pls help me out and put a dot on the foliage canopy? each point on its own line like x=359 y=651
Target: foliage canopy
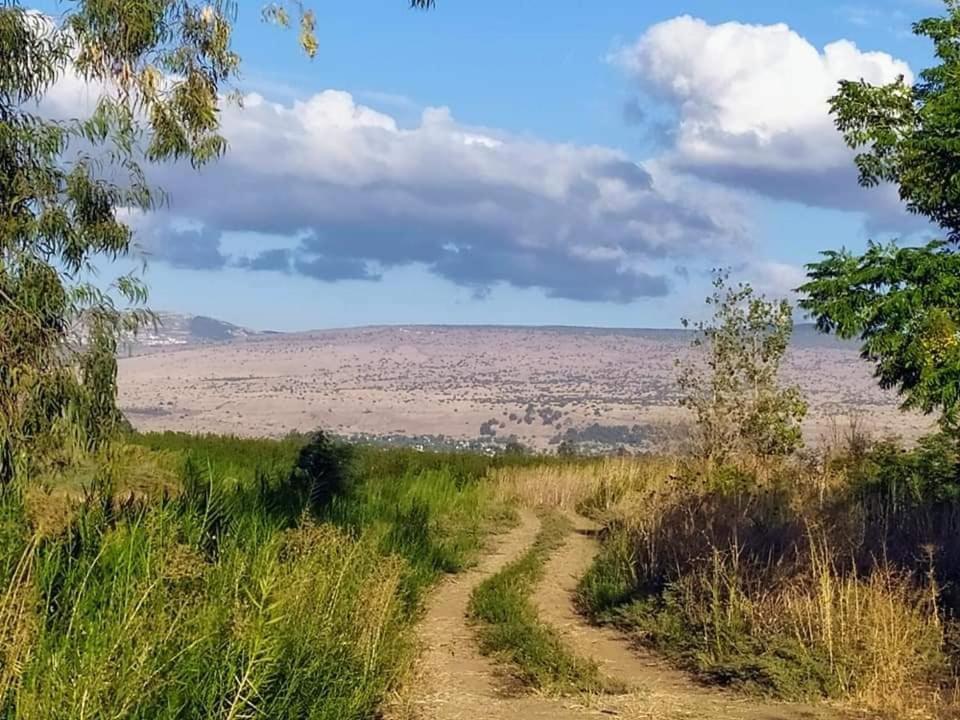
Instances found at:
x=904 y=303
x=909 y=135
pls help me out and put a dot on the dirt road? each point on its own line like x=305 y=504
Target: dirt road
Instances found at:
x=455 y=682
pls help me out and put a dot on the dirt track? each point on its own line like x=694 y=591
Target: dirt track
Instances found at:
x=455 y=682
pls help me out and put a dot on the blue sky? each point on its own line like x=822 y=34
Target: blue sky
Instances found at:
x=569 y=162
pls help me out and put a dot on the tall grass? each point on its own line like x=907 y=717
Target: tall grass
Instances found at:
x=874 y=640
x=432 y=517
x=304 y=625
x=881 y=635
x=224 y=597
x=593 y=487
x=805 y=583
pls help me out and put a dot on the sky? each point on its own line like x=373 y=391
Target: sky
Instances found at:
x=562 y=163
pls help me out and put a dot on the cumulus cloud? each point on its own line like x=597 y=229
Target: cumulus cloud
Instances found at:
x=773 y=278
x=475 y=206
x=751 y=108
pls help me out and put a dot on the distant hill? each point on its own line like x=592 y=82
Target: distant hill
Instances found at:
x=455 y=386
x=805 y=335
x=182 y=330
x=179 y=330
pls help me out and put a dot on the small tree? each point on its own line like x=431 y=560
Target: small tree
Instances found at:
x=321 y=472
x=567 y=448
x=731 y=384
x=515 y=447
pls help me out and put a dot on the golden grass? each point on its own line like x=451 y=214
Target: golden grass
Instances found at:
x=877 y=636
x=18 y=623
x=595 y=486
x=882 y=633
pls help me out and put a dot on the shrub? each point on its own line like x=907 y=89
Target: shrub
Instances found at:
x=926 y=475
x=770 y=584
x=321 y=470
x=907 y=505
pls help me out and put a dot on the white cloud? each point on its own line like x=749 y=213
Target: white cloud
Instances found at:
x=358 y=192
x=775 y=279
x=751 y=104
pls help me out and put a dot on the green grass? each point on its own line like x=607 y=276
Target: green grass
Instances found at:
x=225 y=598
x=434 y=517
x=508 y=626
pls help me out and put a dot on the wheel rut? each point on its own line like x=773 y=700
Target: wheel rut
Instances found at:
x=658 y=690
x=454 y=681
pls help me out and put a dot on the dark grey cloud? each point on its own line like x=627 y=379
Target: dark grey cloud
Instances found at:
x=303 y=260
x=195 y=249
x=473 y=206
x=634 y=176
x=835 y=188
x=554 y=272
x=275 y=260
x=331 y=269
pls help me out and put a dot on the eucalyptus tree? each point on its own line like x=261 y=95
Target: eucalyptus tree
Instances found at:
x=160 y=71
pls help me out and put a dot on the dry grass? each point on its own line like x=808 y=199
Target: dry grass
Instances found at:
x=751 y=582
x=18 y=623
x=339 y=379
x=881 y=633
x=594 y=487
x=129 y=472
x=872 y=641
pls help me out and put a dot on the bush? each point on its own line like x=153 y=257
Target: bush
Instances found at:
x=321 y=470
x=908 y=508
x=927 y=475
x=780 y=585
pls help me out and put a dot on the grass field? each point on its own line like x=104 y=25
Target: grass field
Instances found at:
x=175 y=576
x=203 y=585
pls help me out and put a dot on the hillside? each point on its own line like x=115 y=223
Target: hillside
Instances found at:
x=179 y=330
x=452 y=386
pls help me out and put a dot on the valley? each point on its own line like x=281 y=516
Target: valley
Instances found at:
x=449 y=386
